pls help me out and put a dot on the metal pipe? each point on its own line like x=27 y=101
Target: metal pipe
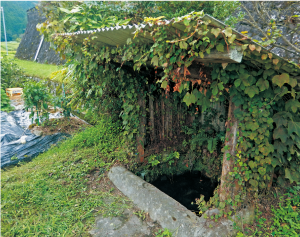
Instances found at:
x=38 y=50
x=2 y=10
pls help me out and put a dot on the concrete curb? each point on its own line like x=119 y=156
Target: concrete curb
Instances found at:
x=165 y=210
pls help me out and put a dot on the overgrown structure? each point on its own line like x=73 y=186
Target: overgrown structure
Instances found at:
x=144 y=73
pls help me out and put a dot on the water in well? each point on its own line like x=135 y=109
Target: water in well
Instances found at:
x=186 y=188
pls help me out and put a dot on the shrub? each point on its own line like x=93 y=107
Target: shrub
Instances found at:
x=5 y=104
x=11 y=74
x=36 y=95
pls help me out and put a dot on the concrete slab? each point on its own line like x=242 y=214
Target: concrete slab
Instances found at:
x=165 y=210
x=126 y=225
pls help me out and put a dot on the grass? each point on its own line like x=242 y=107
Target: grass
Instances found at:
x=34 y=69
x=30 y=68
x=11 y=46
x=59 y=192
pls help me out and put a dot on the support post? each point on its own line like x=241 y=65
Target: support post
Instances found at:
x=227 y=189
x=140 y=138
x=151 y=110
x=2 y=10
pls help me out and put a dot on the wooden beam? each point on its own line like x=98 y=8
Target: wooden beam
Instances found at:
x=232 y=55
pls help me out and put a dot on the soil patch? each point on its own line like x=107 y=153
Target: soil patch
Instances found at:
x=63 y=125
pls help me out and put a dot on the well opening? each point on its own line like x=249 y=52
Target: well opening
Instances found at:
x=185 y=188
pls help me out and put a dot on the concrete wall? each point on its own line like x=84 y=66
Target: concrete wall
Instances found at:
x=31 y=40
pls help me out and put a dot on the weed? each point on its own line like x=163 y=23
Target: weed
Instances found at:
x=164 y=233
x=141 y=214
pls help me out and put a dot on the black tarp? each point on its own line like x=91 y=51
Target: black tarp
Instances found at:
x=14 y=130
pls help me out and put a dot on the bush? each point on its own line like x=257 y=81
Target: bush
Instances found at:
x=11 y=74
x=36 y=95
x=5 y=103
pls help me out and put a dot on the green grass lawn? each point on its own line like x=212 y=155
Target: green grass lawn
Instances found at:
x=53 y=195
x=30 y=68
x=35 y=69
x=11 y=46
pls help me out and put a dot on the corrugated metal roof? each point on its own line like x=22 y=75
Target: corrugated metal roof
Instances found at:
x=118 y=35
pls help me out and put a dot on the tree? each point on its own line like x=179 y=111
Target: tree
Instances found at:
x=275 y=25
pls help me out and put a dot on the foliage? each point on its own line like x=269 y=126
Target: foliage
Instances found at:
x=11 y=74
x=164 y=233
x=273 y=29
x=287 y=216
x=63 y=102
x=15 y=18
x=89 y=17
x=5 y=102
x=205 y=142
x=73 y=16
x=58 y=186
x=260 y=87
x=36 y=96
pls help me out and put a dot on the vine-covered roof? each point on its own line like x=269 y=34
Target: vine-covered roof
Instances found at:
x=118 y=36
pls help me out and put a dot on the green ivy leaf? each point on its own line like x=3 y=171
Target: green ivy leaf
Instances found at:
x=186 y=22
x=251 y=91
x=275 y=161
x=252 y=164
x=189 y=99
x=154 y=61
x=220 y=47
x=183 y=45
x=237 y=82
x=280 y=133
x=164 y=84
x=228 y=32
x=293 y=82
x=280 y=147
x=294 y=127
x=292 y=105
x=279 y=119
x=279 y=80
x=216 y=31
x=252 y=125
x=262 y=84
x=231 y=39
x=253 y=183
x=292 y=176
x=262 y=170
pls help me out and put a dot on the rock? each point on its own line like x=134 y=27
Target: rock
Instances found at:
x=127 y=225
x=36 y=132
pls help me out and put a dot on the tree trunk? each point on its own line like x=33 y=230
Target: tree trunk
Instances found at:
x=229 y=189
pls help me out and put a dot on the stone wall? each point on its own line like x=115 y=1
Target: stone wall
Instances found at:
x=31 y=40
x=254 y=33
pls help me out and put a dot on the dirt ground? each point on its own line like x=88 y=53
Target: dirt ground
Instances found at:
x=64 y=125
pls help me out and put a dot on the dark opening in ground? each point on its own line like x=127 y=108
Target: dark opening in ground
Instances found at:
x=186 y=188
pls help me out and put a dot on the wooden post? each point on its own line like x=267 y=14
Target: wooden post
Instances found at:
x=140 y=138
x=163 y=116
x=151 y=111
x=158 y=116
x=228 y=189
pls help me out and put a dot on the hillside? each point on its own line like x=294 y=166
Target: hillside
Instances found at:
x=15 y=18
